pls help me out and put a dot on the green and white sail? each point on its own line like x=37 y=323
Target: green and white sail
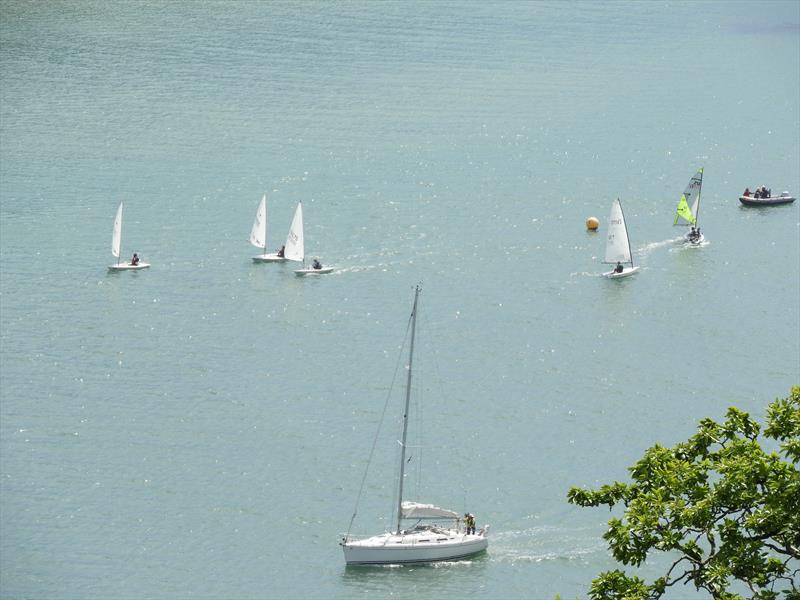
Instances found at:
x=689 y=204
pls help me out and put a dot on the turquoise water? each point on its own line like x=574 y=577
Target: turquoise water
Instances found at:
x=200 y=429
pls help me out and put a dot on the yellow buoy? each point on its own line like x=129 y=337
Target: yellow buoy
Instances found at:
x=592 y=223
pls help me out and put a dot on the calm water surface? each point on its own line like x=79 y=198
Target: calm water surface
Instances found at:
x=200 y=429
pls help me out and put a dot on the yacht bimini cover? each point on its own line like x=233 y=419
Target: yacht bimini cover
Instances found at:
x=415 y=510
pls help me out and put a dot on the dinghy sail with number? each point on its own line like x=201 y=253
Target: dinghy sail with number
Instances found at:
x=426 y=540
x=258 y=235
x=618 y=245
x=116 y=246
x=296 y=249
x=689 y=208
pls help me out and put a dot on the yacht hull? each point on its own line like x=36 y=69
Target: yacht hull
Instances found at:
x=388 y=550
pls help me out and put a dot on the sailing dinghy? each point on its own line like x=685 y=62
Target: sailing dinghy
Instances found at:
x=258 y=235
x=689 y=209
x=618 y=245
x=426 y=539
x=116 y=243
x=296 y=248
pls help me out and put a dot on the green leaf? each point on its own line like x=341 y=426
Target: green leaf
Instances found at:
x=728 y=510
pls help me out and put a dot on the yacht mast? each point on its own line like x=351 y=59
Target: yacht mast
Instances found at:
x=405 y=412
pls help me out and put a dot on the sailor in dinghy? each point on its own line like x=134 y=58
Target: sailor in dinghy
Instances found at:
x=116 y=244
x=689 y=215
x=258 y=236
x=296 y=249
x=618 y=246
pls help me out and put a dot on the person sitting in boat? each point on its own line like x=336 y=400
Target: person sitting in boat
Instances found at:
x=135 y=259
x=746 y=192
x=316 y=264
x=282 y=251
x=618 y=268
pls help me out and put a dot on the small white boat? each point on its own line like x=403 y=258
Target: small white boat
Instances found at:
x=116 y=243
x=313 y=271
x=688 y=216
x=296 y=247
x=618 y=246
x=436 y=533
x=258 y=235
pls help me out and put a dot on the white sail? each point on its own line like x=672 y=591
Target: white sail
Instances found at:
x=415 y=510
x=618 y=247
x=258 y=235
x=116 y=236
x=295 y=246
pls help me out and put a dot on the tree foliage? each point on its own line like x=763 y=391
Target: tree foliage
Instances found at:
x=721 y=507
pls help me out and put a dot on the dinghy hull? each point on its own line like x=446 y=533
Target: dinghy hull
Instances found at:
x=625 y=273
x=694 y=241
x=128 y=267
x=322 y=271
x=268 y=258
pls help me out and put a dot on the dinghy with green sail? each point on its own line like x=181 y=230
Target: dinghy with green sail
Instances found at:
x=689 y=208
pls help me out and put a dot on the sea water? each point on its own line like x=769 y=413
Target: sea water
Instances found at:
x=200 y=429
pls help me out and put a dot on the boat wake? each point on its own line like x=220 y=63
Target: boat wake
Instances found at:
x=360 y=269
x=540 y=544
x=684 y=245
x=700 y=245
x=650 y=247
x=585 y=274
